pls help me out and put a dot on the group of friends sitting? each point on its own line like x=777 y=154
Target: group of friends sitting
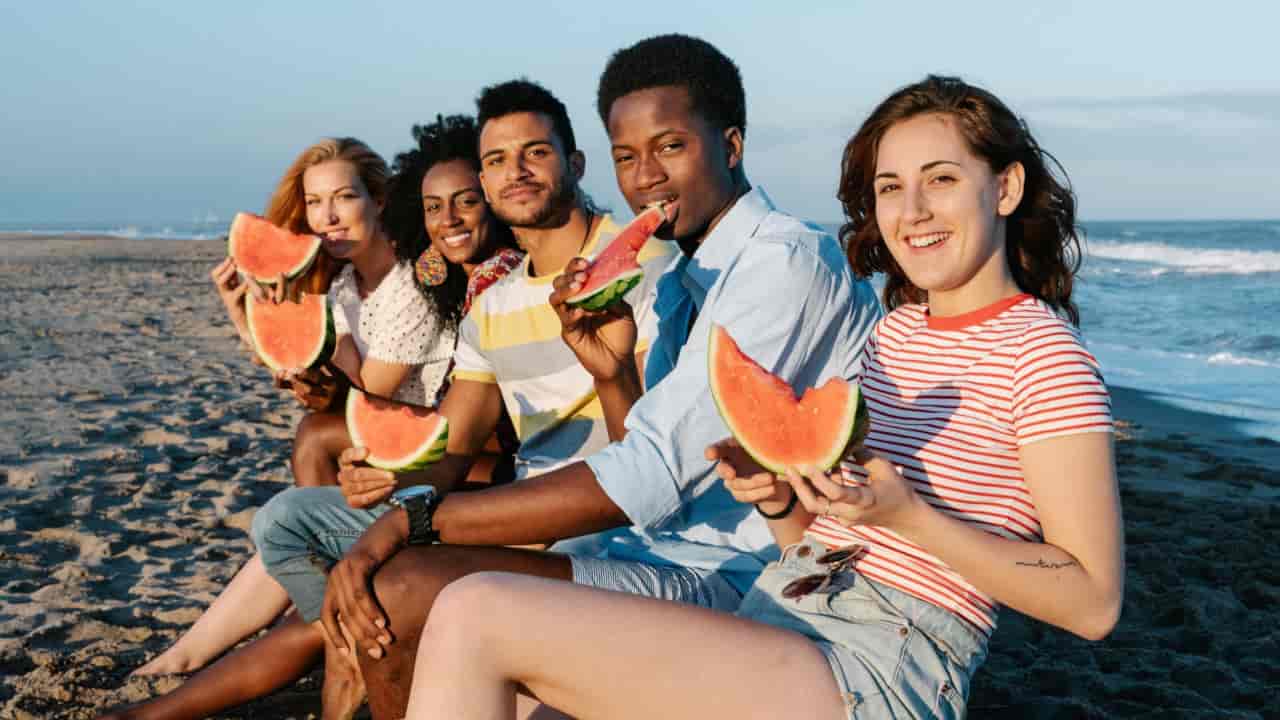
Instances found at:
x=632 y=561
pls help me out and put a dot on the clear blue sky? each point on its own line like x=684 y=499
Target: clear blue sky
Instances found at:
x=164 y=111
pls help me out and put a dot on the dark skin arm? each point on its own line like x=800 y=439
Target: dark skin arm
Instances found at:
x=565 y=503
x=604 y=342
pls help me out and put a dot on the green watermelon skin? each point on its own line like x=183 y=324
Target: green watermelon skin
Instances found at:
x=776 y=428
x=371 y=421
x=609 y=294
x=614 y=271
x=263 y=251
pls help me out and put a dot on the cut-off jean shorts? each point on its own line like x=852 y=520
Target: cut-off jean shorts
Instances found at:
x=893 y=655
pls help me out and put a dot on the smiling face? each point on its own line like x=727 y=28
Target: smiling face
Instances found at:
x=340 y=209
x=941 y=210
x=528 y=179
x=454 y=211
x=664 y=151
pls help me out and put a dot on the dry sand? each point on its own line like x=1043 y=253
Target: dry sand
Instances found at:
x=136 y=440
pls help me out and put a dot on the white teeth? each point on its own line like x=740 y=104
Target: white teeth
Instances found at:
x=919 y=241
x=456 y=240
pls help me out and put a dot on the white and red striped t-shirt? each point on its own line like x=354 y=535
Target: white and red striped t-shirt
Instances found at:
x=951 y=400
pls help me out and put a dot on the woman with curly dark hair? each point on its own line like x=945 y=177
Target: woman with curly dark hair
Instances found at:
x=437 y=222
x=987 y=477
x=437 y=214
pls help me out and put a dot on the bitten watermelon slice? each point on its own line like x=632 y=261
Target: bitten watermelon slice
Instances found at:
x=262 y=251
x=400 y=437
x=615 y=271
x=291 y=335
x=775 y=427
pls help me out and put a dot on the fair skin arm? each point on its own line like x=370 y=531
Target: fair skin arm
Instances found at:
x=377 y=376
x=491 y=633
x=231 y=291
x=1073 y=580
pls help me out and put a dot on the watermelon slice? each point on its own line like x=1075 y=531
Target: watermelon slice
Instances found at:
x=777 y=429
x=291 y=335
x=262 y=251
x=400 y=437
x=615 y=271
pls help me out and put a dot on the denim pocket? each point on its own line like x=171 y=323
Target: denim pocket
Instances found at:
x=930 y=676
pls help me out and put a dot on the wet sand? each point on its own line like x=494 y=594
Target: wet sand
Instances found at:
x=137 y=439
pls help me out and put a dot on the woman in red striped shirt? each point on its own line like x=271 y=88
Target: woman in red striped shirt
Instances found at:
x=987 y=477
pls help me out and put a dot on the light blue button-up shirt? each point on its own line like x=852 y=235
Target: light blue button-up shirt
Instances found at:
x=783 y=290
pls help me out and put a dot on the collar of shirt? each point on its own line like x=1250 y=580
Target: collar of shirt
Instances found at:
x=698 y=273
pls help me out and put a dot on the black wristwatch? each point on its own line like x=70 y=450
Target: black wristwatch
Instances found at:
x=420 y=503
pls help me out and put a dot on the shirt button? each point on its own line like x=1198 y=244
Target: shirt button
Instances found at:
x=804 y=551
x=902 y=631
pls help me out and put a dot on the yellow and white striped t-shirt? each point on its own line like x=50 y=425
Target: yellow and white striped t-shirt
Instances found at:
x=512 y=337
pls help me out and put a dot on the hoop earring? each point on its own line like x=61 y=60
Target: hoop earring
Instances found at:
x=431 y=268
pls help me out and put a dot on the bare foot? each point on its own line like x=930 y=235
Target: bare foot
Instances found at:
x=344 y=690
x=168 y=663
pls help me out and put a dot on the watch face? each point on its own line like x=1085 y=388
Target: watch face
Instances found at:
x=400 y=496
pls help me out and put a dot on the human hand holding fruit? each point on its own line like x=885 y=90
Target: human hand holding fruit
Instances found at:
x=745 y=479
x=603 y=340
x=885 y=498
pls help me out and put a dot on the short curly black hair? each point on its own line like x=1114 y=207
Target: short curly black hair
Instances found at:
x=524 y=95
x=445 y=140
x=712 y=79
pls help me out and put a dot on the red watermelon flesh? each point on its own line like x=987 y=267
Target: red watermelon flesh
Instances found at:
x=263 y=251
x=291 y=335
x=400 y=437
x=615 y=271
x=775 y=427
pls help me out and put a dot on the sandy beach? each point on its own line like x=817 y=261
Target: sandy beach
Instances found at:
x=137 y=439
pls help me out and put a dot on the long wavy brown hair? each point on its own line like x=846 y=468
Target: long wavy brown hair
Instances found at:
x=1042 y=241
x=287 y=208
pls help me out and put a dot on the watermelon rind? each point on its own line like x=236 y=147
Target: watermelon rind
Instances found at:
x=430 y=451
x=853 y=422
x=635 y=234
x=603 y=297
x=323 y=349
x=243 y=220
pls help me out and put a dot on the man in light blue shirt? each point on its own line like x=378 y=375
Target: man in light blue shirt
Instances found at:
x=675 y=112
x=783 y=290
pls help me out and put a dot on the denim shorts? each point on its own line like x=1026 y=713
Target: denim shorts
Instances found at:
x=893 y=655
x=696 y=586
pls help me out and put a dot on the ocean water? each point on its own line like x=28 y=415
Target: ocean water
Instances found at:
x=205 y=227
x=1188 y=310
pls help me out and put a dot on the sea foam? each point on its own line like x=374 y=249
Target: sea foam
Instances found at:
x=1206 y=261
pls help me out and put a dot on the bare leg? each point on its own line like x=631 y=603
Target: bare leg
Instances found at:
x=492 y=633
x=261 y=667
x=407 y=586
x=251 y=601
x=320 y=439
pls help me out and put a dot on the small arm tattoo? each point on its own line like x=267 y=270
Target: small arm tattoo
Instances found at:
x=1041 y=563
